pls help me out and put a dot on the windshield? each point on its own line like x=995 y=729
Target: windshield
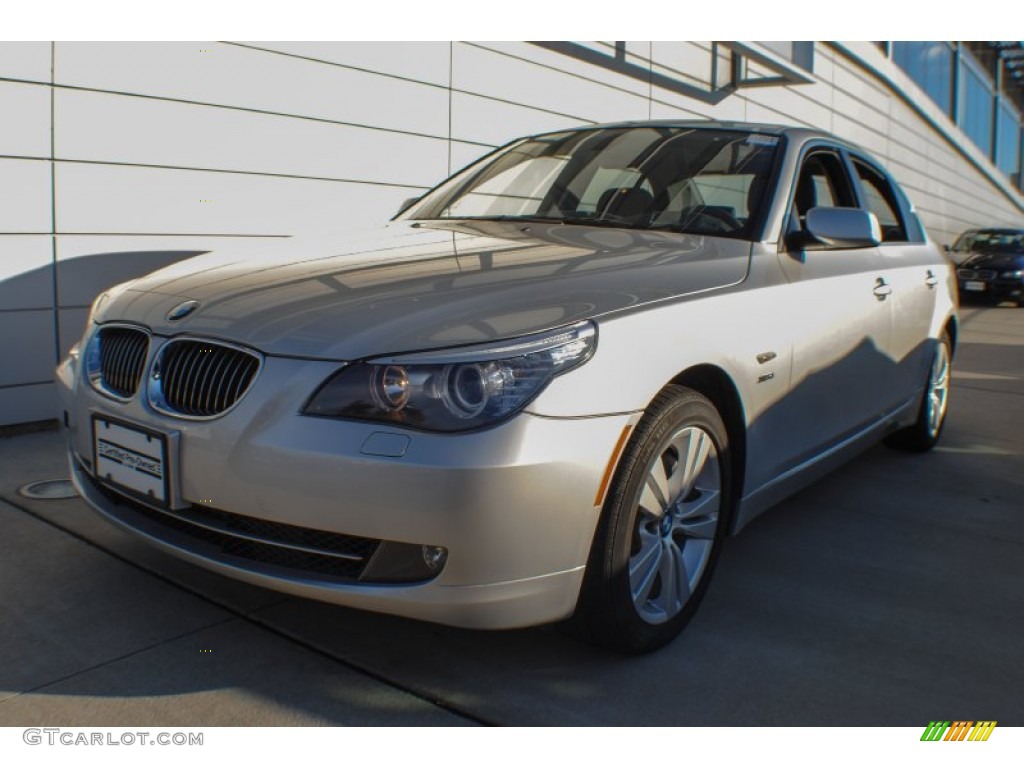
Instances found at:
x=695 y=180
x=1005 y=242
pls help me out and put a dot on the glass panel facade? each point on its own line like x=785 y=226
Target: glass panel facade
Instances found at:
x=800 y=52
x=976 y=104
x=1008 y=140
x=964 y=87
x=782 y=47
x=930 y=64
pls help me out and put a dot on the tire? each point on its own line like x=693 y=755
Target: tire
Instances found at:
x=648 y=569
x=923 y=434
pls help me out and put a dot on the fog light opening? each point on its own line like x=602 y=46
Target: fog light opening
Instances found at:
x=434 y=557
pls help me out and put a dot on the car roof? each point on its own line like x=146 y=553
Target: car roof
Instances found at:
x=994 y=231
x=774 y=129
x=796 y=134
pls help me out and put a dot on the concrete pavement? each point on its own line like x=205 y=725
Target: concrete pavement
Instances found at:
x=889 y=593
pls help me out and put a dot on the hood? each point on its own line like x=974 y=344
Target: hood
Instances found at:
x=994 y=260
x=418 y=285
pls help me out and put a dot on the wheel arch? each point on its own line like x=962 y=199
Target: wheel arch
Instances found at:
x=718 y=387
x=952 y=327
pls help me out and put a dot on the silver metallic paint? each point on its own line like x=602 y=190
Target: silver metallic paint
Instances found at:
x=479 y=282
x=515 y=504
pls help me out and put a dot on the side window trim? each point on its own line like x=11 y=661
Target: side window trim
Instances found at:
x=908 y=219
x=851 y=171
x=811 y=148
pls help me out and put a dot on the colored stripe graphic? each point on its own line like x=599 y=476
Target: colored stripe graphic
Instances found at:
x=958 y=730
x=982 y=730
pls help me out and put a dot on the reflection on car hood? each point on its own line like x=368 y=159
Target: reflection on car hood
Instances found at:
x=415 y=286
x=994 y=261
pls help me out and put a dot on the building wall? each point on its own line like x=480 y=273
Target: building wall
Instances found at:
x=117 y=158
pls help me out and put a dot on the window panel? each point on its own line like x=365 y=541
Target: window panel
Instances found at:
x=976 y=103
x=881 y=201
x=1008 y=140
x=800 y=52
x=929 y=63
x=822 y=183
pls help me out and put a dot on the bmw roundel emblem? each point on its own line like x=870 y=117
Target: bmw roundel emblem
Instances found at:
x=184 y=309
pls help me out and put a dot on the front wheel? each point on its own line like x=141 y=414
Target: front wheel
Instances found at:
x=924 y=433
x=661 y=528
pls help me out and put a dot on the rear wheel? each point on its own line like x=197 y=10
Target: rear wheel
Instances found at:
x=924 y=433
x=662 y=526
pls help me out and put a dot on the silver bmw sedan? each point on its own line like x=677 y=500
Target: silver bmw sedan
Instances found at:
x=547 y=389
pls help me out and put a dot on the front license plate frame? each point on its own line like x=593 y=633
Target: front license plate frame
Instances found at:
x=975 y=285
x=133 y=459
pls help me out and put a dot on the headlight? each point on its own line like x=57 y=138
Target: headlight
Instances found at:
x=456 y=389
x=1013 y=274
x=91 y=361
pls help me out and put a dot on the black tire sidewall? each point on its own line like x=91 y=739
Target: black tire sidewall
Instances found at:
x=945 y=341
x=619 y=624
x=917 y=437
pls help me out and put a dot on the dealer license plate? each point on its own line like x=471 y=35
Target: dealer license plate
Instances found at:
x=131 y=458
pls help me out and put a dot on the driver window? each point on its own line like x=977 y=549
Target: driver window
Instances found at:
x=822 y=183
x=881 y=201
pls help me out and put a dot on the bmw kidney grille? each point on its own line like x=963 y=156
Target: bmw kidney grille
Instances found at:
x=201 y=379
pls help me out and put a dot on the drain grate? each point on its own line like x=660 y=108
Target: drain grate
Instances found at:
x=48 y=489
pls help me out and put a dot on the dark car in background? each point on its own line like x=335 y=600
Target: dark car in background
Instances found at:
x=993 y=264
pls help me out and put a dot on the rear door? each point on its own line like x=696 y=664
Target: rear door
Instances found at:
x=911 y=267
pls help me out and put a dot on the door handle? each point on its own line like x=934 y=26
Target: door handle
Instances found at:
x=882 y=289
x=931 y=281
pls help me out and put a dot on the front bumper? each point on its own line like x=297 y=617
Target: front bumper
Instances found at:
x=514 y=506
x=997 y=289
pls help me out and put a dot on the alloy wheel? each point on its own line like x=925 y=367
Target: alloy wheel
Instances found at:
x=678 y=508
x=938 y=389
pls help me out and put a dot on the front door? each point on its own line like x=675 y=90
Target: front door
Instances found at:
x=839 y=308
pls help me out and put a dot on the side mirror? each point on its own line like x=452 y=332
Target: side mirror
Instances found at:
x=842 y=228
x=408 y=203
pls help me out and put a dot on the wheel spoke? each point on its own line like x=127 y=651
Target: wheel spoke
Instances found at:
x=657 y=479
x=699 y=527
x=699 y=519
x=705 y=505
x=695 y=556
x=643 y=568
x=675 y=585
x=693 y=446
x=651 y=501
